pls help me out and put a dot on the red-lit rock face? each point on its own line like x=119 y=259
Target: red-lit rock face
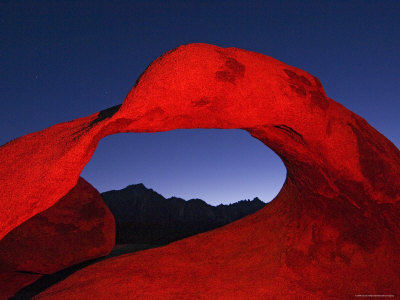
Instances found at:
x=12 y=282
x=332 y=231
x=77 y=228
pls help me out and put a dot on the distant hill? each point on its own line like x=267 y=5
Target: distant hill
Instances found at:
x=145 y=217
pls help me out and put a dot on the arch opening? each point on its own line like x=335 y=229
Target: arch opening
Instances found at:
x=162 y=187
x=215 y=165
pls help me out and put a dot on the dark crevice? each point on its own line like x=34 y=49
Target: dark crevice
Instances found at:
x=28 y=272
x=105 y=114
x=290 y=131
x=48 y=280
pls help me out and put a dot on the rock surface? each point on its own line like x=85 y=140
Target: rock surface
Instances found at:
x=143 y=216
x=332 y=232
x=79 y=227
x=12 y=282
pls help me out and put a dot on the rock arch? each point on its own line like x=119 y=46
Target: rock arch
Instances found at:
x=332 y=230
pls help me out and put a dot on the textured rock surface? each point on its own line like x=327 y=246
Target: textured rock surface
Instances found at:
x=79 y=227
x=12 y=282
x=332 y=232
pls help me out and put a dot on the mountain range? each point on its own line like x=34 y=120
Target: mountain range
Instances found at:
x=145 y=217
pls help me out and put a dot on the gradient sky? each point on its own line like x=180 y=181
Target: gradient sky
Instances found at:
x=60 y=60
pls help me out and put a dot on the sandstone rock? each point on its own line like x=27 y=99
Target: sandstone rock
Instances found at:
x=12 y=282
x=79 y=227
x=332 y=232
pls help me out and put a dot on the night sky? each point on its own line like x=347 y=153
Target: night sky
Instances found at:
x=60 y=60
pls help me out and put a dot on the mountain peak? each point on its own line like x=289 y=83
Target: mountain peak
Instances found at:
x=136 y=186
x=145 y=217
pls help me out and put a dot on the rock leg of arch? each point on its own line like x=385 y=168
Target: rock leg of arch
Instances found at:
x=331 y=232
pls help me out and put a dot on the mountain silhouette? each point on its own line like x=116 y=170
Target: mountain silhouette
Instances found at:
x=145 y=217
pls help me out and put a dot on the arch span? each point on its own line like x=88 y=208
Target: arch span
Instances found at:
x=333 y=229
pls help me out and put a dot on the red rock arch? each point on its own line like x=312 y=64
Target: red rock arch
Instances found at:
x=334 y=222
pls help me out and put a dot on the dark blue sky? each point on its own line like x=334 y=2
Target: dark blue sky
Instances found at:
x=60 y=60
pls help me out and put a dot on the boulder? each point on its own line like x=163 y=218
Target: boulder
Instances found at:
x=79 y=227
